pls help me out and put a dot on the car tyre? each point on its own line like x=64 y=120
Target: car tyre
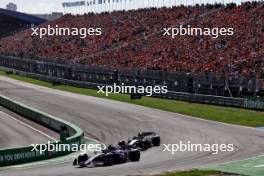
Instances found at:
x=156 y=141
x=134 y=155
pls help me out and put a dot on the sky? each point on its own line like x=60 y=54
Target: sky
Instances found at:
x=35 y=6
x=49 y=6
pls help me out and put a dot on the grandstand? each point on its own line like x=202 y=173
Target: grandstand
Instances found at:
x=133 y=39
x=11 y=21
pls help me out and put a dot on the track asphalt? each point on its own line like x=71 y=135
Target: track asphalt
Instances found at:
x=110 y=121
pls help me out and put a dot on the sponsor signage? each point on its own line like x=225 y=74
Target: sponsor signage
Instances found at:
x=73 y=4
x=254 y=103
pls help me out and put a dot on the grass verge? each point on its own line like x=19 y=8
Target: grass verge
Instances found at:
x=197 y=173
x=229 y=115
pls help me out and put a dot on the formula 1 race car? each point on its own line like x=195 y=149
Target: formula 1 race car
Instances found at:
x=108 y=157
x=144 y=141
x=122 y=153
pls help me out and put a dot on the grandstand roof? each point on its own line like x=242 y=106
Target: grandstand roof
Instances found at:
x=22 y=16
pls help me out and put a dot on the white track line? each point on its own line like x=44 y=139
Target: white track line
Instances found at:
x=26 y=125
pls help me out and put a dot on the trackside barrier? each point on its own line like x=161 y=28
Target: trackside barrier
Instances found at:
x=209 y=99
x=198 y=98
x=25 y=154
x=53 y=79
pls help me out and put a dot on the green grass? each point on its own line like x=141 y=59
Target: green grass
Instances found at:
x=229 y=115
x=193 y=173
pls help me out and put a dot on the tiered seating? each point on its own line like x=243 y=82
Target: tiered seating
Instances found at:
x=134 y=39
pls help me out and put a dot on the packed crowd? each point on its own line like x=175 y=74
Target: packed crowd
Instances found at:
x=134 y=39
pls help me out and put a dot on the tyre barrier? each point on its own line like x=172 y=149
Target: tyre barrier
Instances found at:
x=15 y=156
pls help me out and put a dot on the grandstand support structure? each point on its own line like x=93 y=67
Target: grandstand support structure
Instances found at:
x=12 y=21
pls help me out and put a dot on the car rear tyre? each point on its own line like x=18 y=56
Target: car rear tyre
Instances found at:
x=82 y=158
x=156 y=141
x=134 y=155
